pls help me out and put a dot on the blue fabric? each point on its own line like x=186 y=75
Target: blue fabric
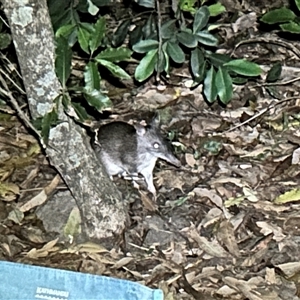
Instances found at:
x=25 y=282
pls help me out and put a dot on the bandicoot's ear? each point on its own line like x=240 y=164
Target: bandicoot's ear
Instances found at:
x=155 y=122
x=140 y=129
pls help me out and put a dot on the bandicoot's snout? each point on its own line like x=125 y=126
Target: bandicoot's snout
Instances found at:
x=170 y=158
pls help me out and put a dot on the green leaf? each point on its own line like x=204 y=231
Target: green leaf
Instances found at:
x=82 y=5
x=149 y=29
x=202 y=72
x=297 y=2
x=97 y=100
x=115 y=54
x=291 y=27
x=243 y=67
x=224 y=85
x=114 y=69
x=207 y=38
x=80 y=111
x=48 y=120
x=168 y=29
x=197 y=64
x=66 y=101
x=275 y=93
x=5 y=40
x=145 y=46
x=57 y=6
x=69 y=32
x=98 y=34
x=92 y=9
x=213 y=146
x=175 y=52
x=135 y=35
x=62 y=13
x=187 y=38
x=200 y=19
x=274 y=73
x=187 y=5
x=88 y=26
x=91 y=77
x=65 y=31
x=73 y=37
x=84 y=36
x=146 y=3
x=210 y=89
x=121 y=33
x=63 y=60
x=279 y=15
x=72 y=227
x=239 y=80
x=216 y=9
x=146 y=66
x=217 y=59
x=166 y=62
x=163 y=62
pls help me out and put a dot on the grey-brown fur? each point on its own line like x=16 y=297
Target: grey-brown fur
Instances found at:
x=123 y=148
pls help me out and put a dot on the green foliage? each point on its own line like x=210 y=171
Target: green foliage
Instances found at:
x=146 y=3
x=5 y=38
x=91 y=37
x=187 y=5
x=272 y=76
x=224 y=85
x=216 y=9
x=198 y=65
x=191 y=37
x=50 y=119
x=63 y=60
x=279 y=15
x=92 y=91
x=145 y=46
x=147 y=66
x=185 y=37
x=121 y=33
x=98 y=35
x=213 y=147
x=210 y=87
x=243 y=67
x=274 y=73
x=287 y=19
x=177 y=39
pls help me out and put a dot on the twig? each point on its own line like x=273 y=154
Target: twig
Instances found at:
x=13 y=82
x=4 y=22
x=159 y=40
x=11 y=67
x=16 y=106
x=277 y=83
x=270 y=41
x=261 y=113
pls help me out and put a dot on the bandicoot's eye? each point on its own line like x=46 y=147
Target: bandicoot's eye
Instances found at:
x=156 y=145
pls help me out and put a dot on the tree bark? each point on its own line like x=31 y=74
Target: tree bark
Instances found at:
x=102 y=210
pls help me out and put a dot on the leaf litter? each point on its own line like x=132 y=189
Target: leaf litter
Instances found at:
x=225 y=225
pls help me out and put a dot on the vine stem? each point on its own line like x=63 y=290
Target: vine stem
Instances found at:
x=159 y=40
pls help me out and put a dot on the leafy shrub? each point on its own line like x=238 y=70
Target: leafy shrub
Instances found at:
x=288 y=21
x=182 y=35
x=186 y=36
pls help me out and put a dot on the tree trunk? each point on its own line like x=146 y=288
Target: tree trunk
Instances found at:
x=102 y=210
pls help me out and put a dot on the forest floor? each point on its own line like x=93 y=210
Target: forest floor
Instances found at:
x=225 y=225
